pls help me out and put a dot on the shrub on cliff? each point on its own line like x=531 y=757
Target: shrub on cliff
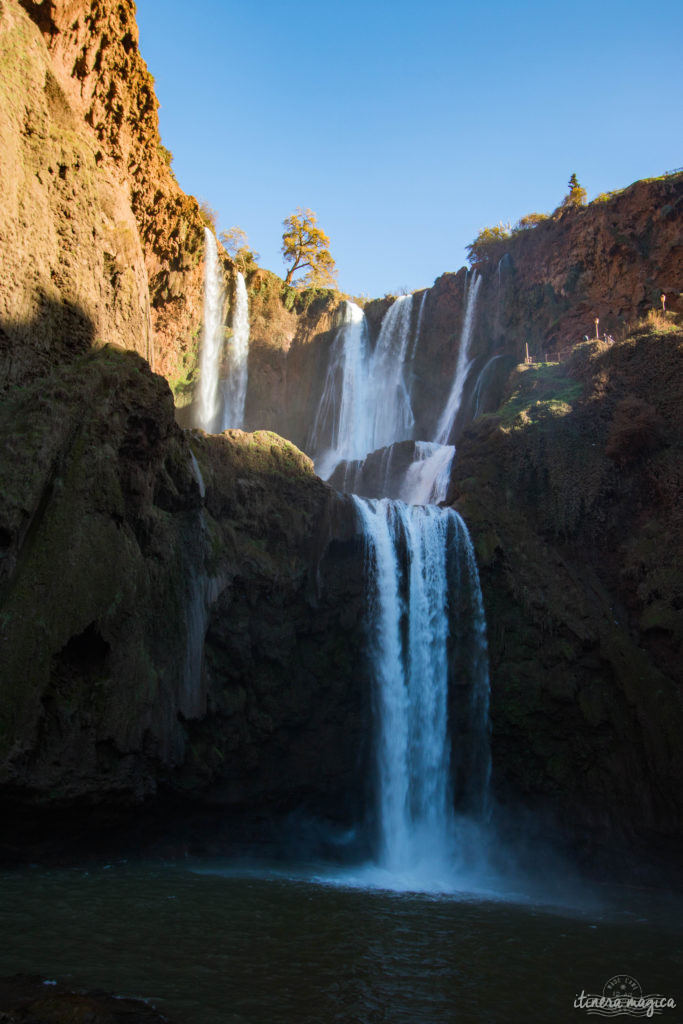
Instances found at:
x=574 y=199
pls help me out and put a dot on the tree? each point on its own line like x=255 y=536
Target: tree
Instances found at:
x=235 y=242
x=304 y=244
x=485 y=245
x=576 y=195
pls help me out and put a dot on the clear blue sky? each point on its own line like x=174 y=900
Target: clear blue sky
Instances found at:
x=408 y=127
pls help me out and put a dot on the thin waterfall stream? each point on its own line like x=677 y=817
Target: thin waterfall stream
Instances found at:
x=208 y=404
x=223 y=366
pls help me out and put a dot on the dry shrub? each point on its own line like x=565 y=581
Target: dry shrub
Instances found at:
x=636 y=431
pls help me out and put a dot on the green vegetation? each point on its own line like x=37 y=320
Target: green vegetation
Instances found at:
x=575 y=197
x=491 y=243
x=165 y=154
x=305 y=245
x=539 y=390
x=183 y=382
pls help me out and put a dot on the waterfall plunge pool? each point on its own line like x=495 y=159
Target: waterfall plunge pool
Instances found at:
x=218 y=942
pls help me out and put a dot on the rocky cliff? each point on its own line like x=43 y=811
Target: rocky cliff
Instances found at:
x=124 y=541
x=572 y=493
x=544 y=286
x=91 y=51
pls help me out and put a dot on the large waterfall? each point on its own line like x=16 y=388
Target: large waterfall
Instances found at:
x=234 y=384
x=208 y=405
x=365 y=403
x=426 y=631
x=420 y=570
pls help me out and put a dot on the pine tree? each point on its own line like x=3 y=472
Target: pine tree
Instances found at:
x=576 y=195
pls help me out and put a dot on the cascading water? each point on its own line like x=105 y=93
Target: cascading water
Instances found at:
x=341 y=429
x=447 y=421
x=419 y=567
x=418 y=328
x=365 y=403
x=234 y=385
x=392 y=418
x=208 y=405
x=426 y=479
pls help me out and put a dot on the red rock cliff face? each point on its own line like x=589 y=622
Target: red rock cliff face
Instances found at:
x=545 y=286
x=93 y=49
x=72 y=271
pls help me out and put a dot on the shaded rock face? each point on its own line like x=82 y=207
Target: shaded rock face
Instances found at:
x=571 y=493
x=158 y=632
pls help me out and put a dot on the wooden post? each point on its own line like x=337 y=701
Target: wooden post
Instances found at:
x=597 y=332
x=662 y=299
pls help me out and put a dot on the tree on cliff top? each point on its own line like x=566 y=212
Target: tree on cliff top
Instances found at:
x=305 y=245
x=576 y=195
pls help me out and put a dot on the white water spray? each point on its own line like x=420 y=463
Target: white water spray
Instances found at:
x=447 y=421
x=427 y=478
x=234 y=385
x=208 y=406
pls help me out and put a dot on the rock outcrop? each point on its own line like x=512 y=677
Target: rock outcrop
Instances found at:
x=121 y=554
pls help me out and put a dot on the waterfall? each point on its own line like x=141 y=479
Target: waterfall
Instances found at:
x=419 y=567
x=447 y=421
x=234 y=385
x=207 y=415
x=427 y=478
x=478 y=387
x=342 y=423
x=418 y=328
x=365 y=403
x=392 y=418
